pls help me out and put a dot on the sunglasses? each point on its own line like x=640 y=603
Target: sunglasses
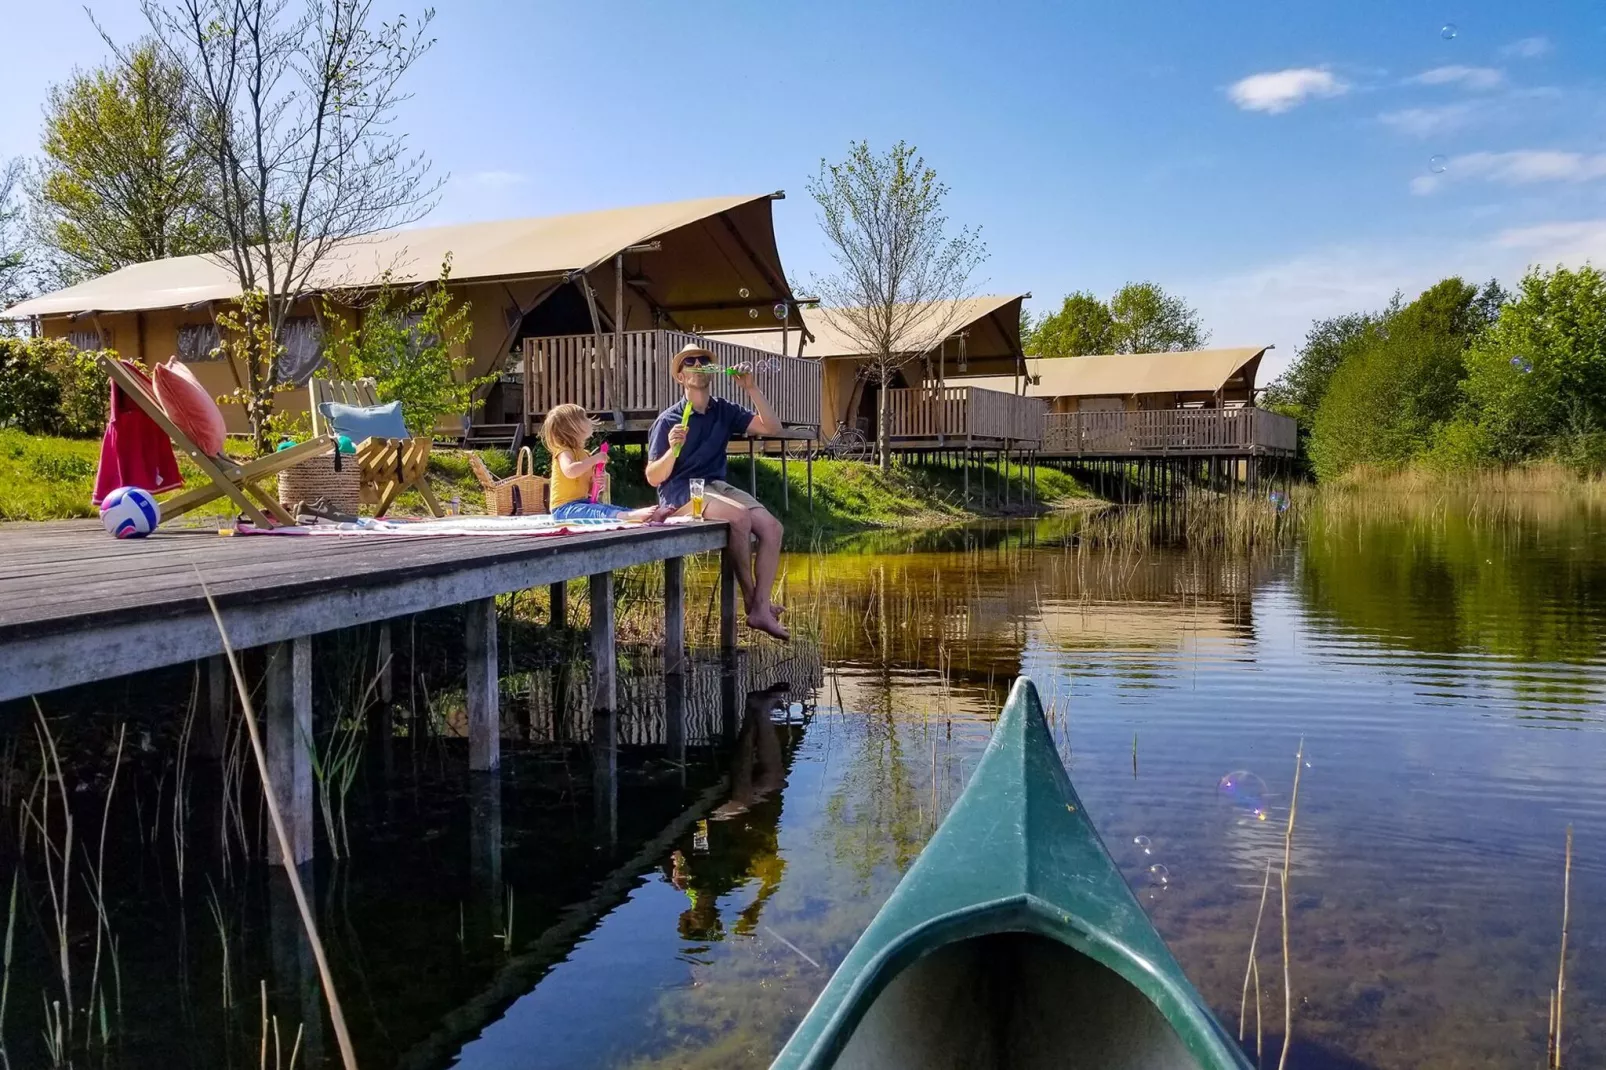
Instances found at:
x=696 y=362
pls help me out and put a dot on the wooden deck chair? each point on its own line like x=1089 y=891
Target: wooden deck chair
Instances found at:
x=388 y=465
x=228 y=478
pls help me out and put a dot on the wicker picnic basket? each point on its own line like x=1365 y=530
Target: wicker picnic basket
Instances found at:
x=521 y=494
x=319 y=478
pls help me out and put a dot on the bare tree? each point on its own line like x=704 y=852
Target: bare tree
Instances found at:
x=14 y=281
x=294 y=106
x=900 y=274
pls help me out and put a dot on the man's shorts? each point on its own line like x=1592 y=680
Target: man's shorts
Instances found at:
x=731 y=493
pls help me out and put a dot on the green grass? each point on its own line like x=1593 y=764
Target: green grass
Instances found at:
x=44 y=478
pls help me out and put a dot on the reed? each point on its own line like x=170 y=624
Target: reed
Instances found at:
x=5 y=981
x=348 y=1055
x=97 y=890
x=1558 y=994
x=1288 y=858
x=1251 y=967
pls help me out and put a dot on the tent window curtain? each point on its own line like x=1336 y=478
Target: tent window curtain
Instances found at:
x=198 y=342
x=85 y=341
x=302 y=339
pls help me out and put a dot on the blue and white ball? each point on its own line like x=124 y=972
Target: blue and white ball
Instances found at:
x=129 y=513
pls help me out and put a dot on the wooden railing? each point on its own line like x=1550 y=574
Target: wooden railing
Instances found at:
x=570 y=368
x=964 y=412
x=1126 y=432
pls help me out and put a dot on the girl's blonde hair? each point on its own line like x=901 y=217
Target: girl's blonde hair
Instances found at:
x=566 y=427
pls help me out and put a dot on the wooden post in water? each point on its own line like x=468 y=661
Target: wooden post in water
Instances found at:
x=386 y=677
x=674 y=615
x=728 y=592
x=559 y=616
x=220 y=701
x=605 y=776
x=604 y=665
x=288 y=716
x=484 y=712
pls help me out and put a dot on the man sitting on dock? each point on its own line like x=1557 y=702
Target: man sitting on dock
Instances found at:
x=684 y=446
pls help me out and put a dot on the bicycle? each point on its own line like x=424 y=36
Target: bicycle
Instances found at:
x=847 y=444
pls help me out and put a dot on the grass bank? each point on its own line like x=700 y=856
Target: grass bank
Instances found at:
x=45 y=478
x=1538 y=477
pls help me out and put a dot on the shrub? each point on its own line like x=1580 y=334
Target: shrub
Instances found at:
x=49 y=388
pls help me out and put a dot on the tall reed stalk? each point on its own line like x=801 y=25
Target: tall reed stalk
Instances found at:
x=1288 y=859
x=1558 y=995
x=348 y=1055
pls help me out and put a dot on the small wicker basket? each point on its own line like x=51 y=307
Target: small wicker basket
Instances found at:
x=319 y=478
x=521 y=494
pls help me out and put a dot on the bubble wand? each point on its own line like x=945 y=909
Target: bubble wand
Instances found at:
x=685 y=417
x=598 y=475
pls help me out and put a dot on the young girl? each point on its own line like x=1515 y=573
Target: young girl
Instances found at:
x=566 y=430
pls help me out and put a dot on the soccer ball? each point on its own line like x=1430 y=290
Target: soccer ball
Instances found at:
x=129 y=513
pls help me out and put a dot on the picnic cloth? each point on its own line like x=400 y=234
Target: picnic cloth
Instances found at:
x=134 y=452
x=542 y=524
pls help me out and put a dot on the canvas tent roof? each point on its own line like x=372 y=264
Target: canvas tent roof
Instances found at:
x=991 y=325
x=712 y=250
x=1201 y=371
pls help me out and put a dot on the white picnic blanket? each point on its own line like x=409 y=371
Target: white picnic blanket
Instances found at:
x=543 y=524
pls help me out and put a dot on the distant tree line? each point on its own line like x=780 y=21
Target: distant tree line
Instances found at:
x=1460 y=377
x=1139 y=318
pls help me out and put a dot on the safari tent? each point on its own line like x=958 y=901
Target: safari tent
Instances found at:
x=982 y=337
x=708 y=263
x=1199 y=378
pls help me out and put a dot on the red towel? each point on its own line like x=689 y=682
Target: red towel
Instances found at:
x=135 y=451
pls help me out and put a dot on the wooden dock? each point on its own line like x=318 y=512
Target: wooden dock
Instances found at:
x=77 y=606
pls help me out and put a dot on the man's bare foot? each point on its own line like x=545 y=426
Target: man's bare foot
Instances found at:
x=764 y=622
x=661 y=513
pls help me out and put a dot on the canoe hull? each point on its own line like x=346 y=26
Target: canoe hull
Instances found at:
x=1013 y=941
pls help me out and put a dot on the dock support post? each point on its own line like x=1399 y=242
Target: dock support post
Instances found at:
x=786 y=484
x=484 y=713
x=604 y=667
x=485 y=849
x=674 y=615
x=727 y=601
x=387 y=682
x=675 y=721
x=605 y=777
x=220 y=702
x=559 y=615
x=289 y=744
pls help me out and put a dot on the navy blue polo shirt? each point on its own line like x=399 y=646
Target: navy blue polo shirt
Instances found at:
x=703 y=454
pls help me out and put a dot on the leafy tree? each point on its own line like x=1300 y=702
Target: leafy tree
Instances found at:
x=13 y=246
x=122 y=180
x=412 y=347
x=295 y=107
x=1083 y=325
x=1149 y=320
x=1536 y=379
x=47 y=387
x=900 y=272
x=1389 y=398
x=1328 y=343
x=1028 y=330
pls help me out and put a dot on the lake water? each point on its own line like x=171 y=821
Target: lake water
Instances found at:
x=673 y=887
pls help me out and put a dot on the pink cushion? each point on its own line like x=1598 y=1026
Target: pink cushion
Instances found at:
x=188 y=405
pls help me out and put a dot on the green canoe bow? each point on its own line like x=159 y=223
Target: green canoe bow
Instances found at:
x=1013 y=941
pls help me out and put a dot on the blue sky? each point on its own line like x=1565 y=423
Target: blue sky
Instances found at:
x=1269 y=162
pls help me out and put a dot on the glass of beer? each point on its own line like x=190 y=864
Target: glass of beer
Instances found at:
x=696 y=499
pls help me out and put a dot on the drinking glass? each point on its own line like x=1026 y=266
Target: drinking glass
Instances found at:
x=696 y=499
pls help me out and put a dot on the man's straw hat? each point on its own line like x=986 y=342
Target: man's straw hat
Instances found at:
x=688 y=350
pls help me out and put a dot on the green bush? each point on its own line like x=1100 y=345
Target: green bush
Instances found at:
x=47 y=387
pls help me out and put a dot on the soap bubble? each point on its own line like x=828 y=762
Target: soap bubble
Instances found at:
x=779 y=310
x=752 y=313
x=1521 y=365
x=1449 y=31
x=1437 y=164
x=1244 y=790
x=1158 y=874
x=742 y=293
x=1143 y=843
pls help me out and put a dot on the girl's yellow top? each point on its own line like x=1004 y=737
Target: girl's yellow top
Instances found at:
x=566 y=489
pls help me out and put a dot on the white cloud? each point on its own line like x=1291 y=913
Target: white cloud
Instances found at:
x=1466 y=77
x=1527 y=48
x=496 y=179
x=1277 y=302
x=1570 y=243
x=1430 y=122
x=1522 y=167
x=1275 y=92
